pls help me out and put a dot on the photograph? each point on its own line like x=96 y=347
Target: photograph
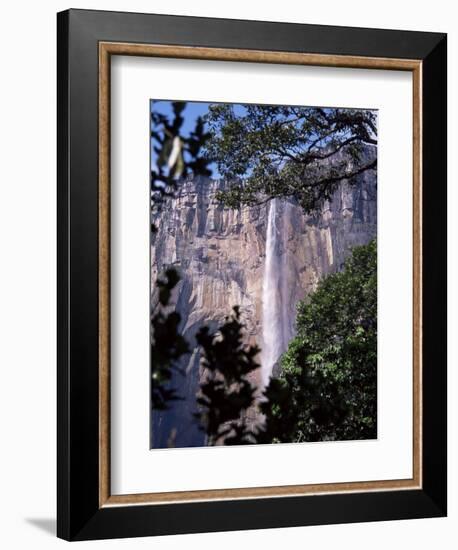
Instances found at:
x=263 y=274
x=251 y=306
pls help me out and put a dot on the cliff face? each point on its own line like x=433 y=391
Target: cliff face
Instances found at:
x=221 y=256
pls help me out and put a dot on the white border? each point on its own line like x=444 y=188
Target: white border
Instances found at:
x=136 y=469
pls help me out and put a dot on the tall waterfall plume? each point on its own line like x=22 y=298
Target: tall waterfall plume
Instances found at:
x=277 y=322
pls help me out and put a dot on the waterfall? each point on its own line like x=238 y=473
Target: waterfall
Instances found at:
x=277 y=319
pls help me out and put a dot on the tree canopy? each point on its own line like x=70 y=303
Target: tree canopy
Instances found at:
x=269 y=151
x=264 y=151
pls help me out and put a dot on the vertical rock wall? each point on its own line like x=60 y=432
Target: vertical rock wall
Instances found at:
x=220 y=254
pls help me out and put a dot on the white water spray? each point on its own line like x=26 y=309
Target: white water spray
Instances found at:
x=276 y=317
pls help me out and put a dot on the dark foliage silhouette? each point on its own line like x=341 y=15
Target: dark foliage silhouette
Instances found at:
x=167 y=345
x=226 y=394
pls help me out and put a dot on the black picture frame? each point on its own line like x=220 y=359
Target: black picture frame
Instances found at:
x=80 y=516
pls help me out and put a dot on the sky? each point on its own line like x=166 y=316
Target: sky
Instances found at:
x=193 y=110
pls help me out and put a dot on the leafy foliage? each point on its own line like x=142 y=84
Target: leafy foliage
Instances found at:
x=226 y=393
x=176 y=154
x=280 y=151
x=328 y=384
x=167 y=345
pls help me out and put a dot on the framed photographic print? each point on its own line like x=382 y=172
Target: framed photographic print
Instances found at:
x=252 y=274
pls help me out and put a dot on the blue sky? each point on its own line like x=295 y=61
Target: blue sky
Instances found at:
x=193 y=110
